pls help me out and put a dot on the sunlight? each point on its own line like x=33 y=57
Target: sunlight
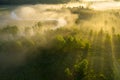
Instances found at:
x=75 y=4
x=26 y=12
x=60 y=40
x=116 y=66
x=39 y=13
x=95 y=0
x=105 y=5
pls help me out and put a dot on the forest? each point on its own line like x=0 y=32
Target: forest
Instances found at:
x=87 y=47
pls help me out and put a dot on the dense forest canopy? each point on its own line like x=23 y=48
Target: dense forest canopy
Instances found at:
x=49 y=41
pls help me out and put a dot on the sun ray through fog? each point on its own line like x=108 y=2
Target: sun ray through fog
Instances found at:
x=116 y=65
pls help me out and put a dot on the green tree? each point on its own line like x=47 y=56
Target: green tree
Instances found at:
x=81 y=70
x=60 y=41
x=113 y=30
x=69 y=74
x=10 y=30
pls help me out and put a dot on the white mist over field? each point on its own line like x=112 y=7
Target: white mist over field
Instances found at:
x=106 y=5
x=29 y=14
x=97 y=4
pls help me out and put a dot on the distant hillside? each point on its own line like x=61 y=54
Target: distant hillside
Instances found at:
x=32 y=1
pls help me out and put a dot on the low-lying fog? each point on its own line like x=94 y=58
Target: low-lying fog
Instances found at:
x=30 y=14
x=27 y=15
x=49 y=16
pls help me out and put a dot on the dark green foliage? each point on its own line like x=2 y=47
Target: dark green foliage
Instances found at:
x=66 y=57
x=79 y=70
x=68 y=73
x=9 y=30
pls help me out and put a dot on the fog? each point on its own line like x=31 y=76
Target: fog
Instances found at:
x=52 y=17
x=31 y=23
x=106 y=5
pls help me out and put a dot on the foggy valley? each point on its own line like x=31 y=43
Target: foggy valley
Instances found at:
x=60 y=40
